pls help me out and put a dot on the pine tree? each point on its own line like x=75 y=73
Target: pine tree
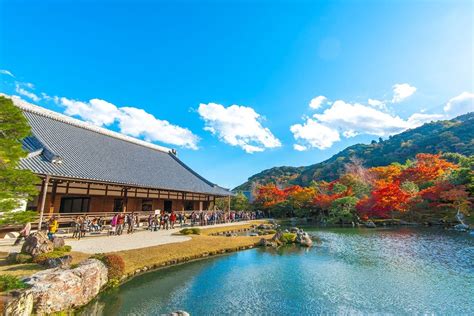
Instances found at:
x=15 y=184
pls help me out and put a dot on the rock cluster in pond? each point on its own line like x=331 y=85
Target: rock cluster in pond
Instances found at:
x=179 y=313
x=293 y=236
x=58 y=289
x=303 y=238
x=370 y=224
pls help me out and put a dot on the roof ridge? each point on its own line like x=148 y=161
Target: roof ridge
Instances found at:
x=29 y=107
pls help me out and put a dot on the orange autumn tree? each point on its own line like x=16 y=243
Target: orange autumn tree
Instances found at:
x=386 y=173
x=269 y=195
x=427 y=167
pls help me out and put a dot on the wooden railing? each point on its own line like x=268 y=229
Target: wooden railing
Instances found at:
x=64 y=218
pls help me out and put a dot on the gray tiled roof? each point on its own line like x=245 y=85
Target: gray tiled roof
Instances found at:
x=97 y=154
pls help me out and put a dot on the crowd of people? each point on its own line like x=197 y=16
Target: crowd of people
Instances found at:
x=159 y=220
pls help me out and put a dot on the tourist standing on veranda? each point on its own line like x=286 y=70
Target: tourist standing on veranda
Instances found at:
x=131 y=223
x=52 y=227
x=113 y=224
x=172 y=219
x=76 y=228
x=120 y=224
x=83 y=226
x=25 y=232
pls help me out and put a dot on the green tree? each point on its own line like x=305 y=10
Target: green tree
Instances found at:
x=15 y=184
x=221 y=204
x=343 y=209
x=464 y=175
x=239 y=202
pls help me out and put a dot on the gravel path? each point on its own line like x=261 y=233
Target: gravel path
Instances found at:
x=139 y=239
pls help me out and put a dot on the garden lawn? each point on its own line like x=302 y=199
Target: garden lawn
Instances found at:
x=27 y=269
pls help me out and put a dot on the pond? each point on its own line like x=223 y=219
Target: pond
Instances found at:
x=395 y=271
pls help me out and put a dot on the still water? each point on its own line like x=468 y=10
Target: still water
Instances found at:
x=351 y=271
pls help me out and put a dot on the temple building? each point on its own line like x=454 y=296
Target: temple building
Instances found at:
x=85 y=168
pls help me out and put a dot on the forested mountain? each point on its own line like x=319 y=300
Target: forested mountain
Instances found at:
x=456 y=135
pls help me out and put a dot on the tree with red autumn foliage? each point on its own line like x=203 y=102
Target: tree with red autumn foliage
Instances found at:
x=269 y=195
x=385 y=198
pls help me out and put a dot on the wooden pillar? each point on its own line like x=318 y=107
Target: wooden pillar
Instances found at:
x=228 y=203
x=44 y=190
x=183 y=198
x=125 y=200
x=52 y=200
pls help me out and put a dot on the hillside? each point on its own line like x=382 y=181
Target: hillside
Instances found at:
x=456 y=135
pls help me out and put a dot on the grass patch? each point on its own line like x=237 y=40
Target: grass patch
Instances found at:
x=288 y=238
x=190 y=231
x=214 y=230
x=156 y=256
x=65 y=248
x=49 y=255
x=19 y=258
x=10 y=282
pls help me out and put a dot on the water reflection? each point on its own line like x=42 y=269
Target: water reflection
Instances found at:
x=401 y=271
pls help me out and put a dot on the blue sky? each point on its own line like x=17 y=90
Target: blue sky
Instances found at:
x=230 y=84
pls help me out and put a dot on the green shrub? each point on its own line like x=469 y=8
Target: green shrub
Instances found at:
x=189 y=231
x=288 y=238
x=10 y=282
x=19 y=258
x=65 y=248
x=49 y=255
x=115 y=267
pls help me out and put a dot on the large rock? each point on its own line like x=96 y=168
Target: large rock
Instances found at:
x=17 y=303
x=58 y=242
x=37 y=243
x=370 y=224
x=61 y=262
x=179 y=313
x=58 y=289
x=303 y=239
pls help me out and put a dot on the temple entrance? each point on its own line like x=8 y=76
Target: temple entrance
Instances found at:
x=118 y=205
x=168 y=206
x=74 y=205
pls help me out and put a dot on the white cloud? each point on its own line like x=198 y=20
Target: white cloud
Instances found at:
x=418 y=119
x=317 y=102
x=460 y=104
x=355 y=119
x=299 y=147
x=6 y=72
x=96 y=111
x=237 y=126
x=132 y=121
x=313 y=134
x=401 y=91
x=137 y=122
x=26 y=93
x=377 y=104
x=324 y=129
